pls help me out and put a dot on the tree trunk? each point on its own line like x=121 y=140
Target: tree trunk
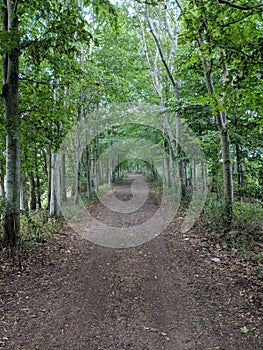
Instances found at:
x=227 y=166
x=38 y=191
x=2 y=178
x=10 y=65
x=165 y=170
x=88 y=168
x=239 y=172
x=48 y=163
x=170 y=70
x=33 y=196
x=55 y=187
x=111 y=159
x=172 y=170
x=63 y=178
x=180 y=162
x=95 y=164
x=23 y=194
x=225 y=146
x=77 y=184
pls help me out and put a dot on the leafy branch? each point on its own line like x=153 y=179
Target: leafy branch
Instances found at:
x=239 y=7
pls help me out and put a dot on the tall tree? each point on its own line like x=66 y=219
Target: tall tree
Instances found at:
x=10 y=65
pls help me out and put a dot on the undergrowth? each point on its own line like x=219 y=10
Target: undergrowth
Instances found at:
x=37 y=227
x=246 y=236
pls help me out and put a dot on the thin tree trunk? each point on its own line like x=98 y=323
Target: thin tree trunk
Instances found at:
x=38 y=191
x=185 y=175
x=172 y=170
x=63 y=178
x=77 y=185
x=48 y=163
x=55 y=187
x=88 y=169
x=170 y=70
x=225 y=144
x=95 y=164
x=153 y=169
x=111 y=159
x=180 y=162
x=239 y=172
x=168 y=166
x=194 y=174
x=2 y=178
x=23 y=194
x=10 y=65
x=203 y=175
x=191 y=175
x=33 y=197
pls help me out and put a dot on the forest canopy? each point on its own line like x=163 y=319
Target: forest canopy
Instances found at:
x=199 y=62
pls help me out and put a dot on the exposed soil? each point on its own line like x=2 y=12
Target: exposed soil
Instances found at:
x=169 y=293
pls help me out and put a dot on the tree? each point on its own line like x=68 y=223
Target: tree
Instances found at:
x=42 y=42
x=10 y=65
x=165 y=37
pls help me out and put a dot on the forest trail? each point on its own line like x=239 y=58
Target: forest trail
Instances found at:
x=164 y=294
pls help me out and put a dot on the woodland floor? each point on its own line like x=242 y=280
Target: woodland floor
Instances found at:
x=167 y=294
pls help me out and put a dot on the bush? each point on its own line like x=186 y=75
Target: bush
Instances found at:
x=247 y=233
x=245 y=214
x=246 y=236
x=213 y=214
x=37 y=227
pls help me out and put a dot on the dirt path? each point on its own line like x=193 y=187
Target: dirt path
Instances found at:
x=165 y=294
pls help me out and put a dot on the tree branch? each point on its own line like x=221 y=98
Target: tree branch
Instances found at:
x=38 y=82
x=236 y=21
x=174 y=83
x=239 y=7
x=179 y=5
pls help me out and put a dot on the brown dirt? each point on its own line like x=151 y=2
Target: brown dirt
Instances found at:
x=165 y=294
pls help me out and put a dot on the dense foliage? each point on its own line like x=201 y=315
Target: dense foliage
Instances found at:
x=200 y=60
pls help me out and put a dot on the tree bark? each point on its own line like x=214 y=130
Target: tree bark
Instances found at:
x=23 y=194
x=2 y=178
x=63 y=179
x=38 y=191
x=33 y=196
x=55 y=187
x=10 y=66
x=48 y=164
x=239 y=172
x=225 y=144
x=170 y=70
x=95 y=164
x=88 y=169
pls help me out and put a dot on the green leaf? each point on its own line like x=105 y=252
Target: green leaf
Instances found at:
x=244 y=330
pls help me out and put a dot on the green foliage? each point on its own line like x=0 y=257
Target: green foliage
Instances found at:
x=212 y=215
x=74 y=60
x=158 y=183
x=103 y=189
x=246 y=237
x=37 y=227
x=117 y=67
x=248 y=217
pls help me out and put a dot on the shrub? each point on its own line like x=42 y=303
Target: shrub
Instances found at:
x=246 y=236
x=213 y=214
x=37 y=227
